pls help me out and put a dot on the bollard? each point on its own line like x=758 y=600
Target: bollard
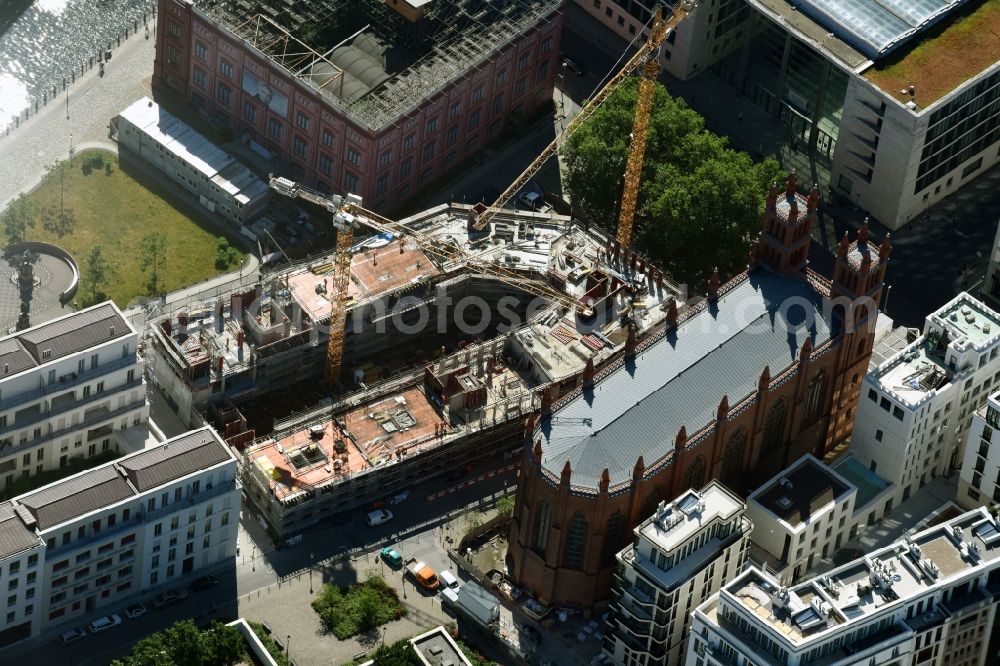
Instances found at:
x=91 y=62
x=45 y=98
x=119 y=40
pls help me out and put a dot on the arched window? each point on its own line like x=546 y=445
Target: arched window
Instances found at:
x=576 y=541
x=815 y=395
x=774 y=426
x=695 y=475
x=613 y=536
x=732 y=457
x=542 y=526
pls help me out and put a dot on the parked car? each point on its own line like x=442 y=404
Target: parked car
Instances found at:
x=105 y=623
x=399 y=497
x=204 y=583
x=378 y=516
x=449 y=580
x=134 y=611
x=391 y=557
x=572 y=66
x=71 y=636
x=532 y=200
x=169 y=597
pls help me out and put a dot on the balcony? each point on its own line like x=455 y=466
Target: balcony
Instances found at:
x=101 y=415
x=206 y=494
x=69 y=405
x=68 y=381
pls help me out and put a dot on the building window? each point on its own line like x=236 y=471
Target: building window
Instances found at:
x=299 y=147
x=223 y=94
x=878 y=435
x=520 y=86
x=200 y=51
x=576 y=541
x=249 y=111
x=199 y=77
x=613 y=536
x=523 y=61
x=774 y=426
x=474 y=118
x=815 y=395
x=405 y=168
x=328 y=139
x=226 y=69
x=350 y=182
x=497 y=103
x=325 y=163
x=546 y=44
x=695 y=475
x=501 y=77
x=302 y=120
x=410 y=142
x=477 y=93
x=354 y=157
x=429 y=150
x=542 y=526
x=382 y=184
x=732 y=457
x=274 y=129
x=543 y=69
x=432 y=125
x=385 y=158
x=452 y=135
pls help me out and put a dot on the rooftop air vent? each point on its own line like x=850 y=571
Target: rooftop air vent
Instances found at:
x=784 y=502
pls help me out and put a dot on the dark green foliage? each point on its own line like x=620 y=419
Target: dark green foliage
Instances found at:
x=359 y=608
x=183 y=644
x=700 y=202
x=400 y=653
x=225 y=254
x=19 y=216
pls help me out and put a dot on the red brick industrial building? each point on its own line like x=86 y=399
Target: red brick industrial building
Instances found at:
x=764 y=370
x=361 y=96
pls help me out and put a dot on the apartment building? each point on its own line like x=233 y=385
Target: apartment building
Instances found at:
x=979 y=478
x=82 y=544
x=682 y=554
x=915 y=407
x=802 y=514
x=65 y=387
x=222 y=185
x=927 y=599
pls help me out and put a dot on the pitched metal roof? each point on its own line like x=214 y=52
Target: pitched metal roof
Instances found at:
x=14 y=535
x=13 y=357
x=77 y=495
x=680 y=380
x=73 y=333
x=196 y=450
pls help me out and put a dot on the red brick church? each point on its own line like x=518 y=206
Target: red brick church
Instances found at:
x=765 y=369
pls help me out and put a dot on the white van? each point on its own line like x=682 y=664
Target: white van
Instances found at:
x=378 y=517
x=449 y=580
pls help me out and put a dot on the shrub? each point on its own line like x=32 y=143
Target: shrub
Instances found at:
x=359 y=608
x=108 y=169
x=87 y=166
x=98 y=159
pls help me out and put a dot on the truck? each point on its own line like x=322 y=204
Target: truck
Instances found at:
x=422 y=573
x=479 y=604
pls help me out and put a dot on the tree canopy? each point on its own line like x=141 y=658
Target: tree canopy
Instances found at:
x=20 y=215
x=183 y=644
x=700 y=202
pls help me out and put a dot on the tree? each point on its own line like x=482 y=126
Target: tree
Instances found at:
x=153 y=251
x=225 y=254
x=58 y=221
x=21 y=214
x=183 y=644
x=505 y=506
x=700 y=202
x=400 y=653
x=98 y=270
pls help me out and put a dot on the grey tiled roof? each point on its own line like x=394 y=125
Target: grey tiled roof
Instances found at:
x=74 y=332
x=77 y=496
x=13 y=357
x=14 y=535
x=196 y=450
x=680 y=380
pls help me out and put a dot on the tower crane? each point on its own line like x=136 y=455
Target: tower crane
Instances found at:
x=645 y=58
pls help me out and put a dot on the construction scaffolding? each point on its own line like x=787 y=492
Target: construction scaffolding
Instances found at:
x=422 y=57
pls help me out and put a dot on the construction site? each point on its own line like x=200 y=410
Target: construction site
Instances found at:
x=436 y=361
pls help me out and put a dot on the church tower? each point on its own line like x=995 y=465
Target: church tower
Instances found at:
x=783 y=243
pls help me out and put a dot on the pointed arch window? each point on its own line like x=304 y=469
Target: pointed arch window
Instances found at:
x=732 y=457
x=695 y=475
x=613 y=535
x=774 y=425
x=541 y=526
x=815 y=395
x=576 y=541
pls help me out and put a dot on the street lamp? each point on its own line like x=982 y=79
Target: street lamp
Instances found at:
x=885 y=304
x=311 y=557
x=288 y=649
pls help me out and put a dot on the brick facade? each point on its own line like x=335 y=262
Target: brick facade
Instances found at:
x=319 y=144
x=810 y=404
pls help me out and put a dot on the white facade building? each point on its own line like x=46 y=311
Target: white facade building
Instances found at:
x=979 y=479
x=682 y=554
x=223 y=185
x=915 y=407
x=65 y=387
x=88 y=541
x=802 y=514
x=928 y=599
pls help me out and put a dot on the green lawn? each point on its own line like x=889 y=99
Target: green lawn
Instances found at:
x=116 y=211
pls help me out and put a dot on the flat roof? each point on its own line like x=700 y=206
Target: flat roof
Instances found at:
x=971 y=319
x=852 y=593
x=811 y=31
x=680 y=379
x=961 y=46
x=436 y=648
x=877 y=27
x=889 y=345
x=188 y=145
x=919 y=370
x=868 y=483
x=794 y=495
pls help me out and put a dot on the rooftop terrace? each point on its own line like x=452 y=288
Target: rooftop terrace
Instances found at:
x=972 y=320
x=961 y=46
x=797 y=494
x=859 y=589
